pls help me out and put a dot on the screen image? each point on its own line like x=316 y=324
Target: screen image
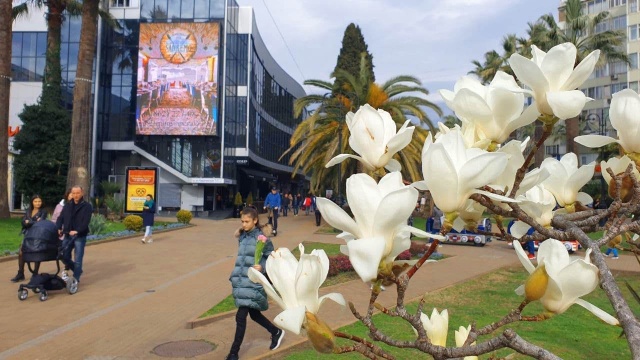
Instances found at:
x=178 y=79
x=140 y=183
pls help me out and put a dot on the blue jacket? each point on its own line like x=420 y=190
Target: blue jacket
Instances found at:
x=245 y=292
x=272 y=200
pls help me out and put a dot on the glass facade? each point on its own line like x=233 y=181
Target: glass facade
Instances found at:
x=270 y=114
x=171 y=10
x=28 y=50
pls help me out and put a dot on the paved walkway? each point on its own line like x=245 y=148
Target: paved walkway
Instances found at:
x=134 y=297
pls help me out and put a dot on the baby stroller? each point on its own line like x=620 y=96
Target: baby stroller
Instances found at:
x=41 y=243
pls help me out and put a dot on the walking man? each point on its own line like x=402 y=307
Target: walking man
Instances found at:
x=73 y=223
x=273 y=203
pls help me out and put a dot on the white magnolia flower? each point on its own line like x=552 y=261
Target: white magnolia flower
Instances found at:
x=553 y=79
x=625 y=107
x=461 y=337
x=538 y=203
x=373 y=136
x=436 y=326
x=618 y=166
x=469 y=134
x=495 y=110
x=513 y=149
x=453 y=172
x=469 y=216
x=380 y=232
x=566 y=179
x=559 y=280
x=297 y=283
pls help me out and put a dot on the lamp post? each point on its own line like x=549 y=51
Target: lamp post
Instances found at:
x=594 y=118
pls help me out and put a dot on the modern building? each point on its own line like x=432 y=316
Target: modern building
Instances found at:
x=607 y=79
x=186 y=86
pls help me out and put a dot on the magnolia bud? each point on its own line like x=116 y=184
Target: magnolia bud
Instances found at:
x=319 y=333
x=536 y=284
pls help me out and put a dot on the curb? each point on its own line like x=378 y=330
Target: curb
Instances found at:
x=103 y=241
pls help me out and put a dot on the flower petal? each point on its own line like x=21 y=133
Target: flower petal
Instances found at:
x=282 y=267
x=336 y=217
x=342 y=157
x=603 y=315
x=308 y=281
x=594 y=141
x=529 y=73
x=257 y=277
x=365 y=255
x=557 y=65
x=290 y=319
x=582 y=72
x=524 y=259
x=393 y=165
x=567 y=104
x=338 y=298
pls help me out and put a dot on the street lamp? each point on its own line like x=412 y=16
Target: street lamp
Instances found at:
x=594 y=118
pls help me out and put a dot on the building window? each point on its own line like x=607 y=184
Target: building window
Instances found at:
x=618 y=67
x=614 y=3
x=619 y=22
x=633 y=32
x=633 y=61
x=120 y=3
x=618 y=87
x=633 y=5
x=552 y=150
x=633 y=85
x=28 y=55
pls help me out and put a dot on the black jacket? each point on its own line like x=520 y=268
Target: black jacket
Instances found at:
x=40 y=215
x=75 y=217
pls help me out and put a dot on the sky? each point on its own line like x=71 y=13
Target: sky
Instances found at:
x=434 y=40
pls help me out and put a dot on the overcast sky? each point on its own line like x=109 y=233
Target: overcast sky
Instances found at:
x=435 y=40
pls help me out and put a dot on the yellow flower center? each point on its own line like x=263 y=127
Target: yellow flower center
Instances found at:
x=536 y=284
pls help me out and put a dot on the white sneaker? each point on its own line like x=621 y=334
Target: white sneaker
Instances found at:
x=149 y=240
x=144 y=240
x=64 y=275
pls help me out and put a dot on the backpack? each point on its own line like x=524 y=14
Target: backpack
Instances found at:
x=307 y=202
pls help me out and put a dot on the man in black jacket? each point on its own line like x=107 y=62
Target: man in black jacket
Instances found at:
x=73 y=222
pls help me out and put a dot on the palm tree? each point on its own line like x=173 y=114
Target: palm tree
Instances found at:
x=324 y=133
x=580 y=29
x=5 y=88
x=81 y=117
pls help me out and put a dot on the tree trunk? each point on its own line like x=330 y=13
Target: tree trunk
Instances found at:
x=5 y=88
x=79 y=154
x=51 y=92
x=573 y=128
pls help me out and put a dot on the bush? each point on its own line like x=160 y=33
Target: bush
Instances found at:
x=418 y=249
x=184 y=216
x=133 y=223
x=405 y=255
x=339 y=263
x=97 y=224
x=250 y=199
x=114 y=206
x=237 y=201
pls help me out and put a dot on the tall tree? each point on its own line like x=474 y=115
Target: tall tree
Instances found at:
x=5 y=89
x=353 y=46
x=580 y=29
x=79 y=155
x=324 y=134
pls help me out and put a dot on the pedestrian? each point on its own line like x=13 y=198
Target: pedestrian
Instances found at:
x=33 y=214
x=307 y=204
x=73 y=223
x=315 y=210
x=249 y=297
x=56 y=214
x=297 y=202
x=272 y=204
x=286 y=201
x=148 y=214
x=614 y=245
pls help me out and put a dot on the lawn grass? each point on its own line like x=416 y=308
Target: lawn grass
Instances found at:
x=10 y=236
x=576 y=334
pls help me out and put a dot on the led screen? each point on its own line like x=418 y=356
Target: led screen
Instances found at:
x=178 y=79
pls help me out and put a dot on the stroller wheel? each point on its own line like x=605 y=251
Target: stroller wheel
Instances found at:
x=72 y=286
x=44 y=296
x=22 y=294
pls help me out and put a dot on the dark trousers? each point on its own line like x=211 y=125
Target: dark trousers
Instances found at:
x=273 y=220
x=241 y=325
x=285 y=210
x=318 y=217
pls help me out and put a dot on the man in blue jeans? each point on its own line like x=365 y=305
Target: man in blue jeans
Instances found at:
x=273 y=202
x=73 y=222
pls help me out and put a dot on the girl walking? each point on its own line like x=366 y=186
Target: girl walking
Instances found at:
x=34 y=213
x=250 y=298
x=148 y=214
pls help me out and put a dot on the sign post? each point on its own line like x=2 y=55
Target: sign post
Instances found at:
x=141 y=181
